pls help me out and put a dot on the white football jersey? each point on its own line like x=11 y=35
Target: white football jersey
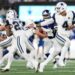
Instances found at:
x=18 y=27
x=29 y=31
x=15 y=25
x=62 y=22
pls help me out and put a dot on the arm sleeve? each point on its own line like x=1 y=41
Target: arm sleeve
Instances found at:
x=47 y=22
x=70 y=18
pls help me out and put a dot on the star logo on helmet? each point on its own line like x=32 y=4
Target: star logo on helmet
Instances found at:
x=45 y=13
x=62 y=4
x=68 y=17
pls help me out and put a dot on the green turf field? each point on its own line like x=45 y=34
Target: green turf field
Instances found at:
x=18 y=68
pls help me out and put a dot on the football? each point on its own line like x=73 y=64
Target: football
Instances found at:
x=41 y=33
x=2 y=28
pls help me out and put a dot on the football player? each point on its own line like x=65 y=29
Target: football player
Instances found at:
x=64 y=26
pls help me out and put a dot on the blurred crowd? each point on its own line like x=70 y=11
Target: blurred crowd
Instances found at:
x=4 y=5
x=13 y=1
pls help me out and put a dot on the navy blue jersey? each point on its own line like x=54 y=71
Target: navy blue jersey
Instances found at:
x=73 y=22
x=50 y=26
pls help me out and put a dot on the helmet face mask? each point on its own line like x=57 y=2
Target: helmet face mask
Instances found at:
x=57 y=9
x=11 y=14
x=60 y=7
x=46 y=14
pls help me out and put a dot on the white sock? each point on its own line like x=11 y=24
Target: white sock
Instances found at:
x=50 y=57
x=10 y=59
x=4 y=58
x=63 y=51
x=1 y=53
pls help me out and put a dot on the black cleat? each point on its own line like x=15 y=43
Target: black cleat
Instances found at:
x=38 y=67
x=4 y=70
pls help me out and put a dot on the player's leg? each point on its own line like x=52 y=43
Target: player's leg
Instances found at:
x=1 y=53
x=40 y=51
x=3 y=44
x=21 y=45
x=51 y=56
x=47 y=45
x=35 y=52
x=9 y=56
x=29 y=64
x=65 y=46
x=9 y=62
x=35 y=44
x=55 y=61
x=6 y=42
x=62 y=39
x=63 y=52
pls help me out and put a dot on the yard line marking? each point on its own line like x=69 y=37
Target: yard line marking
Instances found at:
x=43 y=72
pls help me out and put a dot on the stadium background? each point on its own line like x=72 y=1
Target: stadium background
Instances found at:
x=30 y=8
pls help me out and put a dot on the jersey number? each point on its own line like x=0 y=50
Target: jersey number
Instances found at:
x=16 y=25
x=65 y=25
